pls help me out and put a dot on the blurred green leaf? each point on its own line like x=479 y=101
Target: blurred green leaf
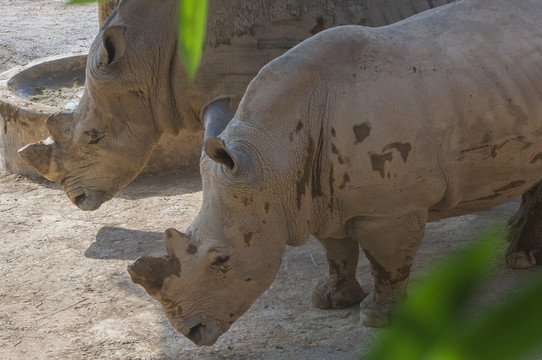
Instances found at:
x=510 y=329
x=192 y=19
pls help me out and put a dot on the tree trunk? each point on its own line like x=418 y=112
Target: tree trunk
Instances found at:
x=105 y=9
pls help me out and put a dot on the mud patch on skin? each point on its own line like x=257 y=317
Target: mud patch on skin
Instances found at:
x=346 y=179
x=331 y=188
x=498 y=192
x=403 y=148
x=316 y=176
x=380 y=273
x=335 y=151
x=378 y=162
x=247 y=237
x=361 y=131
x=493 y=148
x=296 y=130
x=303 y=180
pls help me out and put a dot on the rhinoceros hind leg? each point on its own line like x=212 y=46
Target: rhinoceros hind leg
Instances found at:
x=339 y=289
x=390 y=244
x=525 y=231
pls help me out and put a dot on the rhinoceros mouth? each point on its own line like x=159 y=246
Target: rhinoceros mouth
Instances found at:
x=198 y=332
x=87 y=200
x=203 y=335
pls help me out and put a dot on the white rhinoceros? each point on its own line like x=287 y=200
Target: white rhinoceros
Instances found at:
x=136 y=91
x=359 y=137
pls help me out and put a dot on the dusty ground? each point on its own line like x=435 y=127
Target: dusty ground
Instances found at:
x=64 y=291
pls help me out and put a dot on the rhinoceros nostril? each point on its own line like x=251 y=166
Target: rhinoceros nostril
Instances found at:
x=79 y=199
x=194 y=331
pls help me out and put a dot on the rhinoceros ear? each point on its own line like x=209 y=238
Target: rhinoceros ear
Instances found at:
x=178 y=245
x=217 y=151
x=215 y=116
x=113 y=45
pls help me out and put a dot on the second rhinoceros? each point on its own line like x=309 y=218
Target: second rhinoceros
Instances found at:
x=136 y=91
x=359 y=137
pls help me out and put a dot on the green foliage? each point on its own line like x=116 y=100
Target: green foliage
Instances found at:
x=192 y=19
x=434 y=323
x=192 y=16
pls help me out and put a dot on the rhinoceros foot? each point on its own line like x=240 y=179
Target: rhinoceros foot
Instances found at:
x=525 y=231
x=521 y=259
x=334 y=293
x=375 y=314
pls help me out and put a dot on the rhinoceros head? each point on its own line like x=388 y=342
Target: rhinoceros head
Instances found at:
x=127 y=105
x=232 y=251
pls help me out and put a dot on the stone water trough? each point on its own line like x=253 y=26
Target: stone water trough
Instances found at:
x=30 y=94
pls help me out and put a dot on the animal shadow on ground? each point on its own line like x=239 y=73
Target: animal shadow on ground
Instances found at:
x=125 y=244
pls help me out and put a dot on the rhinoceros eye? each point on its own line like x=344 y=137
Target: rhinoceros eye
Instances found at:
x=220 y=260
x=95 y=136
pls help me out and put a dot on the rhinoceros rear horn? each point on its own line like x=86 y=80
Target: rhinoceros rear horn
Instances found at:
x=60 y=127
x=150 y=272
x=178 y=245
x=215 y=116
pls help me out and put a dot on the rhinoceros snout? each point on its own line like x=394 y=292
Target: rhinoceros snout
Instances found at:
x=87 y=200
x=203 y=334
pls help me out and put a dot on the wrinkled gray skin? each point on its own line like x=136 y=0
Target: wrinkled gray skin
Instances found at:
x=136 y=90
x=359 y=137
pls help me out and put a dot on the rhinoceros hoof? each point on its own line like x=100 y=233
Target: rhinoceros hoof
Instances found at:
x=374 y=314
x=333 y=293
x=521 y=259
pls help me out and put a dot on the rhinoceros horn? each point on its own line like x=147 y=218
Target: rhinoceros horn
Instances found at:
x=150 y=272
x=215 y=116
x=60 y=126
x=38 y=155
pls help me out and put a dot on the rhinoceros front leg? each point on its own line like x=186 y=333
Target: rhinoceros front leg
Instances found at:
x=525 y=231
x=390 y=244
x=339 y=289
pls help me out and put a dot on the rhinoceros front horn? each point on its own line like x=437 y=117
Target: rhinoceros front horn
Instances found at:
x=60 y=126
x=215 y=116
x=38 y=155
x=150 y=272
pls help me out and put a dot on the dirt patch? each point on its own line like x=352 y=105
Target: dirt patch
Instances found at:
x=64 y=289
x=65 y=97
